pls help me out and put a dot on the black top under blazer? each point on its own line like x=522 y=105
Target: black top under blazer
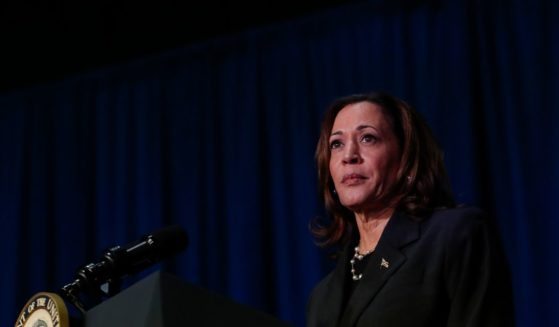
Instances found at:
x=446 y=270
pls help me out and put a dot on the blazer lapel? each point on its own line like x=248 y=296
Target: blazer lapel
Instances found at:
x=335 y=288
x=386 y=260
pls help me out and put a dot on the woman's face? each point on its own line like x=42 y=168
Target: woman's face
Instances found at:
x=364 y=156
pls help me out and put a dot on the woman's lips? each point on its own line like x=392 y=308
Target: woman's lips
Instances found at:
x=351 y=179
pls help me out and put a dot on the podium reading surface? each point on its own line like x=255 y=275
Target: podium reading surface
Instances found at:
x=163 y=300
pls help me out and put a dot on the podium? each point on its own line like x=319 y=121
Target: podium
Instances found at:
x=163 y=300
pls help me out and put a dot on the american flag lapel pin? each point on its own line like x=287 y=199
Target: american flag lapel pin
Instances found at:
x=384 y=263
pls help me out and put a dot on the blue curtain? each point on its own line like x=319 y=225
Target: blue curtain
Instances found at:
x=219 y=138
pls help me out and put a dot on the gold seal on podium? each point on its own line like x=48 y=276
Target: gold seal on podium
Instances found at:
x=44 y=310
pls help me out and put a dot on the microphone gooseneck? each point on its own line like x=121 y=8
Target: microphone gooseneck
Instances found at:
x=121 y=261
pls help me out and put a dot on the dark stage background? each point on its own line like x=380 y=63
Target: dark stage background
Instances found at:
x=117 y=120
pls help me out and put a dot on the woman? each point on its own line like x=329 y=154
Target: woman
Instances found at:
x=410 y=257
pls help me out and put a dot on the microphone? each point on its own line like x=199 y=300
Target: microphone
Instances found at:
x=121 y=261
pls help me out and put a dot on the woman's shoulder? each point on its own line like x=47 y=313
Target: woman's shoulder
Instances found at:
x=461 y=218
x=460 y=213
x=462 y=210
x=461 y=230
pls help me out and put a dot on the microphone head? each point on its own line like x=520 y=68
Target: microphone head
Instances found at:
x=170 y=240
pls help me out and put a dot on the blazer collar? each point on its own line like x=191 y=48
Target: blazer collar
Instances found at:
x=400 y=231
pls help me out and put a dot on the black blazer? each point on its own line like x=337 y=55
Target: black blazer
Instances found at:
x=446 y=270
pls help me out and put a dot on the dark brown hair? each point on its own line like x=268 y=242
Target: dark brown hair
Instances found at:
x=421 y=183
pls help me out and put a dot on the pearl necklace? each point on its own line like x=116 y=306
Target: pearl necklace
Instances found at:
x=357 y=256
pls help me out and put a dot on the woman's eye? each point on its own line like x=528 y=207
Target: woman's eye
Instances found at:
x=335 y=144
x=368 y=138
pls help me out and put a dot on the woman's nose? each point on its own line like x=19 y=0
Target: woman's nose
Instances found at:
x=351 y=155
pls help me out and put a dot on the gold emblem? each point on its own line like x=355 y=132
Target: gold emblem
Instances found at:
x=44 y=309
